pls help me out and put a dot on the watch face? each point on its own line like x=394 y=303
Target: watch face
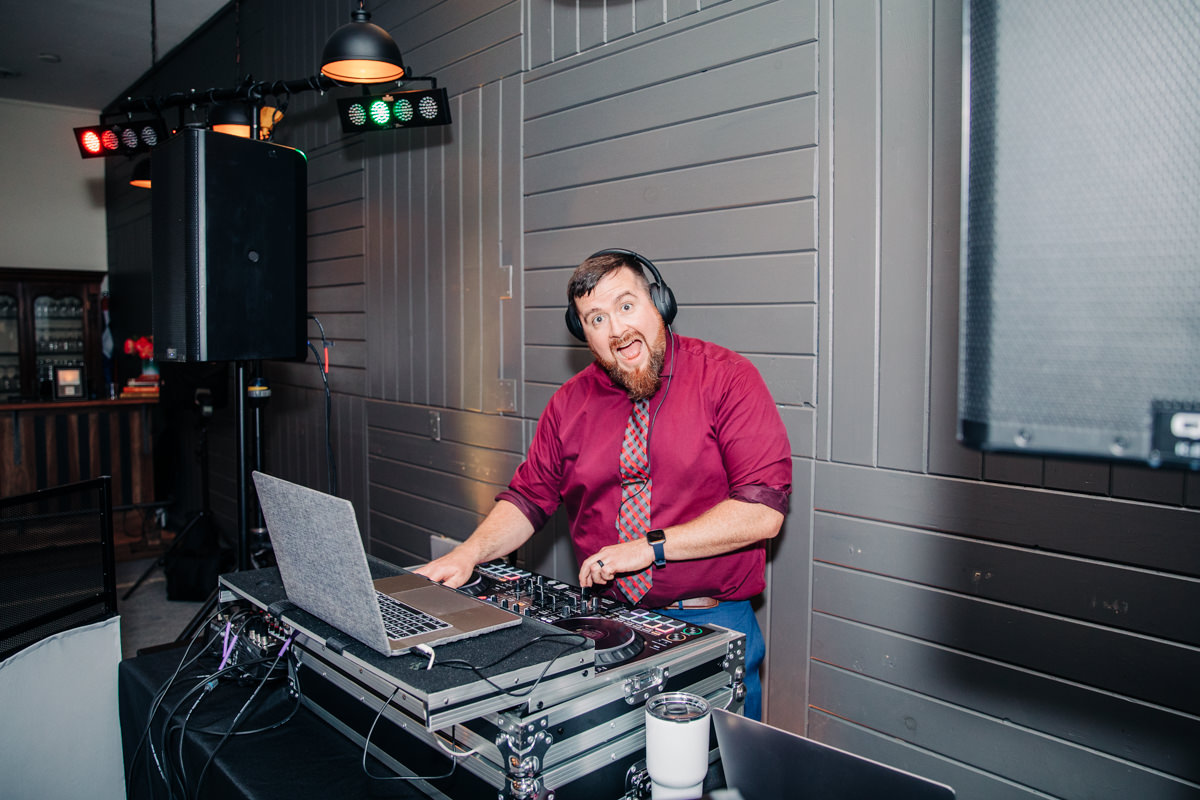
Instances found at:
x=656 y=537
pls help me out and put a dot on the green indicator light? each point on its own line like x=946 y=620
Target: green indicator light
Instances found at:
x=380 y=112
x=404 y=110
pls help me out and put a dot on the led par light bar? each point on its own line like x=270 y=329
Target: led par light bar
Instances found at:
x=125 y=139
x=395 y=110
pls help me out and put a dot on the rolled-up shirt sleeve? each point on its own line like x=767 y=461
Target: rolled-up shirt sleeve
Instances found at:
x=753 y=441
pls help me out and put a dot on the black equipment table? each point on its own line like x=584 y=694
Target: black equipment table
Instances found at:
x=302 y=758
x=519 y=713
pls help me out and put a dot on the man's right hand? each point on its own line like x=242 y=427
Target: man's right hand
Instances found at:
x=453 y=569
x=502 y=531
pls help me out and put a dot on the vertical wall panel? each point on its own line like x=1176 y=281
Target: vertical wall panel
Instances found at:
x=379 y=193
x=490 y=220
x=905 y=51
x=512 y=250
x=946 y=457
x=471 y=236
x=853 y=286
x=405 y=260
x=454 y=275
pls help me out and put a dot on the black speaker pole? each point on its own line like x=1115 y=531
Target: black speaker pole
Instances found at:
x=243 y=552
x=258 y=393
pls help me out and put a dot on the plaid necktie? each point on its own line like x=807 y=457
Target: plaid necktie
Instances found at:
x=633 y=517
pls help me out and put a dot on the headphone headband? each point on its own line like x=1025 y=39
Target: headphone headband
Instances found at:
x=660 y=294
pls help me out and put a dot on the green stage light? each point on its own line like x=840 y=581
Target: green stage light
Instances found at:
x=394 y=110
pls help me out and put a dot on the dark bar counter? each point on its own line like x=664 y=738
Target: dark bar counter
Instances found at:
x=47 y=444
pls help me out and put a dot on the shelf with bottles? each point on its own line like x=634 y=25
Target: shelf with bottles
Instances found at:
x=48 y=319
x=10 y=346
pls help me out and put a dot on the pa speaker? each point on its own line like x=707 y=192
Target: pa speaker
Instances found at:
x=229 y=244
x=1080 y=296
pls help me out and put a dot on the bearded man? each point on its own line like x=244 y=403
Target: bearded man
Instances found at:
x=668 y=454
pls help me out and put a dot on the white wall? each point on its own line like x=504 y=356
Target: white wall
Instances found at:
x=51 y=200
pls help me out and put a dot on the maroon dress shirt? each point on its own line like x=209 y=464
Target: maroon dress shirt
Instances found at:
x=715 y=433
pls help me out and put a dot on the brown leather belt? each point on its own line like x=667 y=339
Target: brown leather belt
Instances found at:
x=694 y=603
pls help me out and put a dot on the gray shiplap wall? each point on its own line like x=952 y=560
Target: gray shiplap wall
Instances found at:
x=1014 y=626
x=1018 y=627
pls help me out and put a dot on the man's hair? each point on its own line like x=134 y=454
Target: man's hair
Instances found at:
x=589 y=273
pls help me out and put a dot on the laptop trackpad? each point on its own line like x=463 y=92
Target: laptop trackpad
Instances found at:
x=436 y=600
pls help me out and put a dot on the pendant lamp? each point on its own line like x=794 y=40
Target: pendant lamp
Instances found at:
x=232 y=118
x=141 y=174
x=362 y=52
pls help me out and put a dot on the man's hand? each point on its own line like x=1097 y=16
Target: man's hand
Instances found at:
x=453 y=569
x=502 y=531
x=615 y=559
x=727 y=526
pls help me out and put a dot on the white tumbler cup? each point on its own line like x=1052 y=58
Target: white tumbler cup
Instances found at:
x=677 y=745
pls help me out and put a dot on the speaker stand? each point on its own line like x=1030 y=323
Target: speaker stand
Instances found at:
x=161 y=561
x=205 y=512
x=243 y=548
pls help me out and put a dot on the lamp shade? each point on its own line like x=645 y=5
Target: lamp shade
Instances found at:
x=233 y=119
x=141 y=174
x=362 y=52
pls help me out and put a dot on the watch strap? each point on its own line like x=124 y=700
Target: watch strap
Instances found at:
x=657 y=540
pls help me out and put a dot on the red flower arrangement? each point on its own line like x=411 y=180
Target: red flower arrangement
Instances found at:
x=143 y=346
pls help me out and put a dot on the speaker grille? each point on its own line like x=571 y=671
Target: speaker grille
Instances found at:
x=1081 y=287
x=230 y=277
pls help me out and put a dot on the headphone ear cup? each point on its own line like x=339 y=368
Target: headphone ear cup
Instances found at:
x=574 y=325
x=664 y=300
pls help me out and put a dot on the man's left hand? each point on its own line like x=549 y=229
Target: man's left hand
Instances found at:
x=615 y=559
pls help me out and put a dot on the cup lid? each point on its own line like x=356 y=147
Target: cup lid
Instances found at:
x=677 y=706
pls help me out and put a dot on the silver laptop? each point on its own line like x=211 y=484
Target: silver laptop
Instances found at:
x=805 y=768
x=321 y=560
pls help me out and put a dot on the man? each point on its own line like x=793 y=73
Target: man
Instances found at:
x=668 y=454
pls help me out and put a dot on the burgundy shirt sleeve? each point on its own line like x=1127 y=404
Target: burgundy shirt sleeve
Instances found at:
x=753 y=441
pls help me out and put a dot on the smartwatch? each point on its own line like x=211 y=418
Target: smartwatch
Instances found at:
x=657 y=539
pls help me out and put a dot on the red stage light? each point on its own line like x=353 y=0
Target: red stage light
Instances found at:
x=89 y=140
x=123 y=139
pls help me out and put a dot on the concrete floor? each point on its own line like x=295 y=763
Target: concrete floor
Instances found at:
x=148 y=618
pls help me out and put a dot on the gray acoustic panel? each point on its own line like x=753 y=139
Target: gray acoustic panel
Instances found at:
x=1079 y=322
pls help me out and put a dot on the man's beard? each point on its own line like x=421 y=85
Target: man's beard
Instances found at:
x=643 y=383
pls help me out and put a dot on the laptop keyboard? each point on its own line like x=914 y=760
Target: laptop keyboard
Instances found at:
x=401 y=621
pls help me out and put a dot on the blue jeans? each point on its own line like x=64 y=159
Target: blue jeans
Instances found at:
x=739 y=616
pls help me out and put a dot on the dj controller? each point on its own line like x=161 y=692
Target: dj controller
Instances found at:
x=540 y=715
x=621 y=633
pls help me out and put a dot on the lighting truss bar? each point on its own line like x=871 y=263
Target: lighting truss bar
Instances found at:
x=124 y=139
x=250 y=92
x=412 y=109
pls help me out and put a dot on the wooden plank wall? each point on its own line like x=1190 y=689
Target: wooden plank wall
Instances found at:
x=1014 y=626
x=1017 y=627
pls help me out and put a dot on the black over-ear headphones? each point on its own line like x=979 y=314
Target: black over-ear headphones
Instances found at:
x=660 y=294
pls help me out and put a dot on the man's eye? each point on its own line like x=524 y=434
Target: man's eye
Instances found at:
x=626 y=306
x=596 y=320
